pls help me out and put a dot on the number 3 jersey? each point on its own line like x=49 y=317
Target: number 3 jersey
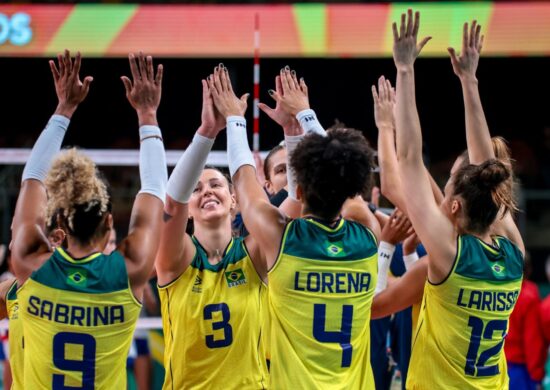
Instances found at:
x=212 y=322
x=464 y=319
x=78 y=319
x=320 y=294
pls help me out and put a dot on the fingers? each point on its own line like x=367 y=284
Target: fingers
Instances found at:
x=76 y=66
x=275 y=95
x=395 y=33
x=205 y=92
x=465 y=38
x=382 y=88
x=54 y=70
x=142 y=66
x=452 y=53
x=472 y=36
x=403 y=26
x=67 y=62
x=416 y=25
x=303 y=86
x=86 y=84
x=278 y=85
x=477 y=37
x=134 y=67
x=223 y=78
x=422 y=43
x=216 y=82
x=409 y=22
x=158 y=77
x=150 y=69
x=374 y=94
x=127 y=85
x=270 y=112
x=480 y=45
x=294 y=79
x=284 y=81
x=61 y=64
x=211 y=86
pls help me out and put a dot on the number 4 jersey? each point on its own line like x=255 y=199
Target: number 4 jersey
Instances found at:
x=464 y=320
x=78 y=320
x=320 y=294
x=212 y=320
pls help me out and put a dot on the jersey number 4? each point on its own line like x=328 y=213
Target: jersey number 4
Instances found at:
x=343 y=337
x=86 y=366
x=208 y=314
x=475 y=366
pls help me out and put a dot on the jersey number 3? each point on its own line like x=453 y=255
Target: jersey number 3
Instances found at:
x=208 y=313
x=86 y=366
x=343 y=337
x=476 y=366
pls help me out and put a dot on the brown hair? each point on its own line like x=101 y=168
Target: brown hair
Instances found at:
x=485 y=190
x=267 y=161
x=78 y=195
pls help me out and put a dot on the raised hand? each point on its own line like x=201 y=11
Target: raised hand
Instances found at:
x=405 y=46
x=384 y=104
x=68 y=87
x=224 y=98
x=397 y=228
x=410 y=244
x=282 y=117
x=294 y=97
x=212 y=122
x=465 y=65
x=144 y=90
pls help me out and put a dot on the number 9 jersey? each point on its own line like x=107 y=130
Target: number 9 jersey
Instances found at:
x=464 y=319
x=78 y=320
x=320 y=294
x=212 y=322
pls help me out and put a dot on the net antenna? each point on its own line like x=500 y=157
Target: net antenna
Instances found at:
x=256 y=108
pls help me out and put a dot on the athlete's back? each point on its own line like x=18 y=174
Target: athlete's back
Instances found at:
x=464 y=320
x=320 y=293
x=78 y=317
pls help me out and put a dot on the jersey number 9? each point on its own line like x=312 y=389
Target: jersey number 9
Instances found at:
x=86 y=365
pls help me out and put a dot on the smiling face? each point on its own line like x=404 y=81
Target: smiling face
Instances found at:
x=211 y=200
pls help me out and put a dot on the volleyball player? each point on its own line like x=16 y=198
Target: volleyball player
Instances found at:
x=210 y=291
x=322 y=269
x=79 y=307
x=473 y=277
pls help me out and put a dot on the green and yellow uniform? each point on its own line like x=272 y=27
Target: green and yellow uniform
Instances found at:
x=15 y=339
x=78 y=320
x=320 y=293
x=212 y=323
x=464 y=320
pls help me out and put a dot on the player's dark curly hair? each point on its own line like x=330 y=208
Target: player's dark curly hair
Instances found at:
x=331 y=169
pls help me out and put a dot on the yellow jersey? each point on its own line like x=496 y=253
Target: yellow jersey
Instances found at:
x=212 y=324
x=78 y=320
x=464 y=319
x=320 y=294
x=15 y=338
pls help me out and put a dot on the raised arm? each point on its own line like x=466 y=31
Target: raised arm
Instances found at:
x=30 y=245
x=140 y=246
x=391 y=186
x=432 y=226
x=478 y=137
x=264 y=221
x=176 y=250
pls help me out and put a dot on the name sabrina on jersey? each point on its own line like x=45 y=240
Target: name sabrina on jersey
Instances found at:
x=75 y=315
x=332 y=283
x=487 y=300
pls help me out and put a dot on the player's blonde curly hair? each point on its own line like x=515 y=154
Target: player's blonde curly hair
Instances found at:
x=77 y=193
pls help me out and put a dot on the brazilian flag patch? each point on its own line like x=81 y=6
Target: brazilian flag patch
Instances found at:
x=498 y=268
x=235 y=277
x=77 y=278
x=335 y=249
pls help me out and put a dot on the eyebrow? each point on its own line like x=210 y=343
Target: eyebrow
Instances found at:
x=279 y=165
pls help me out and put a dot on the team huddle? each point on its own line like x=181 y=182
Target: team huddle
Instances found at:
x=287 y=303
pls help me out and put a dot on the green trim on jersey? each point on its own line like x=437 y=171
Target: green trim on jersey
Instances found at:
x=12 y=292
x=96 y=274
x=309 y=239
x=493 y=264
x=234 y=253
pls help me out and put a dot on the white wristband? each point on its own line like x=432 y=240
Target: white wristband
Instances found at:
x=152 y=162
x=309 y=122
x=409 y=260
x=291 y=142
x=238 y=150
x=186 y=174
x=45 y=148
x=385 y=254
